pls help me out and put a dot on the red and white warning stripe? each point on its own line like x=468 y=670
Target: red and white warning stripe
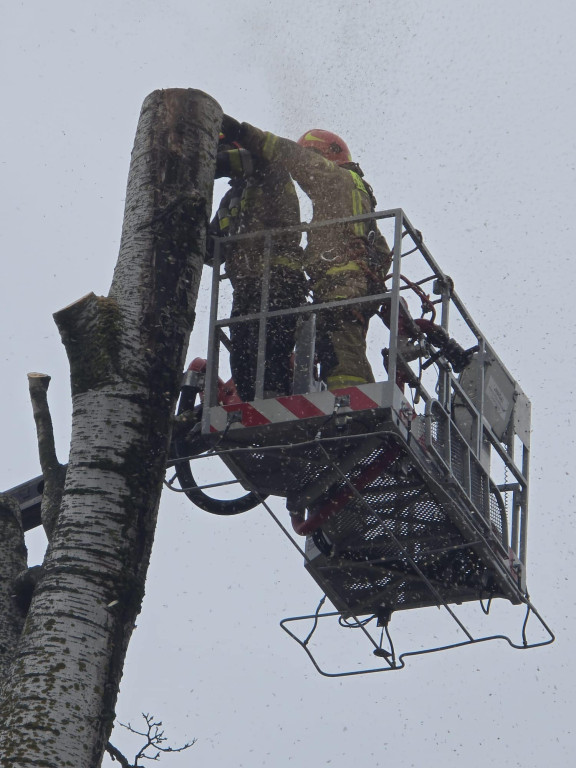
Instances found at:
x=312 y=405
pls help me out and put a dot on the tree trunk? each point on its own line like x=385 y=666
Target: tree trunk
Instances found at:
x=126 y=354
x=12 y=563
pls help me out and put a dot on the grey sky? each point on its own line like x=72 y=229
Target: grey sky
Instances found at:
x=460 y=112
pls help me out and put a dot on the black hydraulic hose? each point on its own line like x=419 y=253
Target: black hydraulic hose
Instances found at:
x=184 y=448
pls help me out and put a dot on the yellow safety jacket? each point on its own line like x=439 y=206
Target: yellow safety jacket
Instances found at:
x=337 y=256
x=262 y=196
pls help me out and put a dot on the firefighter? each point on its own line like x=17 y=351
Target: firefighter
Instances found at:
x=344 y=261
x=261 y=196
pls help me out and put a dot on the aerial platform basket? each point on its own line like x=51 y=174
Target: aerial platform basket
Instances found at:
x=406 y=493
x=387 y=526
x=409 y=492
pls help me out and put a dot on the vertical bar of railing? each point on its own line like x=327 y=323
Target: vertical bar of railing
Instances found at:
x=444 y=388
x=444 y=383
x=524 y=515
x=264 y=301
x=211 y=382
x=480 y=384
x=479 y=423
x=512 y=510
x=304 y=354
x=395 y=301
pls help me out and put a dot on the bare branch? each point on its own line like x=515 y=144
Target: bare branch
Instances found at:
x=154 y=735
x=115 y=754
x=54 y=473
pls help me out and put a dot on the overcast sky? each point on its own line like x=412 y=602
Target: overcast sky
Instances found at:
x=460 y=112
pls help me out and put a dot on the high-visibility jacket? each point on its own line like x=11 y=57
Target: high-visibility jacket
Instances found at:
x=261 y=196
x=337 y=256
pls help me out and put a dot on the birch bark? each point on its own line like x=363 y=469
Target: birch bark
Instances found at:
x=12 y=563
x=126 y=354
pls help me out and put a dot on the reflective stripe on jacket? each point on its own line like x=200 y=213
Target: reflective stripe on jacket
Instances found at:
x=262 y=196
x=333 y=256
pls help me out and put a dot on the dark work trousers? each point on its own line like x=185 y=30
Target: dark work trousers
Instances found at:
x=287 y=290
x=341 y=348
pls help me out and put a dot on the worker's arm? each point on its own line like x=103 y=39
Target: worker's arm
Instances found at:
x=309 y=169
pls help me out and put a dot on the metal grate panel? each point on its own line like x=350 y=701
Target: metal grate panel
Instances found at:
x=388 y=541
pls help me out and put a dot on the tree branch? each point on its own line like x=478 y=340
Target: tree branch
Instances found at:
x=154 y=735
x=115 y=754
x=90 y=329
x=54 y=473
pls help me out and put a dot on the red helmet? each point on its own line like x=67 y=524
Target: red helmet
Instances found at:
x=328 y=144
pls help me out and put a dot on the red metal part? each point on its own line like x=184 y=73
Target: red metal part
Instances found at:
x=304 y=527
x=227 y=393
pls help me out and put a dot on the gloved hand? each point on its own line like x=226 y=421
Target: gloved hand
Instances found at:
x=231 y=128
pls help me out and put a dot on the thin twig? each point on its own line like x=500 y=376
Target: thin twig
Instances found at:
x=154 y=735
